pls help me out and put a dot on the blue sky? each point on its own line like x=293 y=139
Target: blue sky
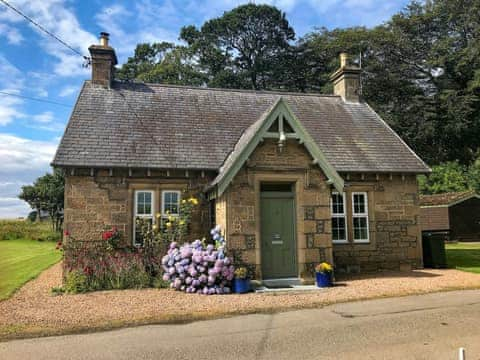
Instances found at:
x=34 y=65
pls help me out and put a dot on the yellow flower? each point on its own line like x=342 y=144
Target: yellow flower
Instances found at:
x=193 y=201
x=155 y=227
x=171 y=218
x=158 y=215
x=184 y=201
x=168 y=224
x=324 y=267
x=182 y=222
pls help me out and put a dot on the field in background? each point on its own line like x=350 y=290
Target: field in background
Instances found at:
x=25 y=229
x=26 y=249
x=464 y=256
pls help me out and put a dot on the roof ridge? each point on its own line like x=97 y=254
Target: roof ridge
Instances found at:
x=274 y=92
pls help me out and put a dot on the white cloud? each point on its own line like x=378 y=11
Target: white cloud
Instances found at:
x=11 y=77
x=23 y=160
x=43 y=118
x=11 y=81
x=21 y=154
x=68 y=90
x=13 y=35
x=9 y=107
x=13 y=208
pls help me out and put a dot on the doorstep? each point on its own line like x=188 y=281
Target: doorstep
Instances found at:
x=284 y=284
x=294 y=288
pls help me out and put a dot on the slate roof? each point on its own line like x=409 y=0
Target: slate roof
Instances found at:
x=446 y=199
x=161 y=126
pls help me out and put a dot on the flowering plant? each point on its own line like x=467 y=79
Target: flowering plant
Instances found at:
x=324 y=267
x=196 y=268
x=241 y=273
x=112 y=238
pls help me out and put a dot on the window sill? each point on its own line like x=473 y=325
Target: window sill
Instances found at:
x=339 y=242
x=361 y=241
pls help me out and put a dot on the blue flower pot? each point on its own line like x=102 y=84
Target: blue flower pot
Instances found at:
x=324 y=279
x=241 y=286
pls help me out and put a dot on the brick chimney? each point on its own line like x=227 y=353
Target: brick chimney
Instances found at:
x=346 y=80
x=103 y=62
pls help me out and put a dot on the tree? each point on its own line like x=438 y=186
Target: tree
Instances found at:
x=47 y=194
x=164 y=63
x=448 y=177
x=31 y=195
x=246 y=45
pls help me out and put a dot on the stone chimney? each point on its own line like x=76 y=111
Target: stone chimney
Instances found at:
x=103 y=60
x=346 y=80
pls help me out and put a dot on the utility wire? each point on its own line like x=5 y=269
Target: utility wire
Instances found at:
x=43 y=29
x=34 y=99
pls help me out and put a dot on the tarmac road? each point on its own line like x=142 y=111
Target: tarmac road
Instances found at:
x=429 y=326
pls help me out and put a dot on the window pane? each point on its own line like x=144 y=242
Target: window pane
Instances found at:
x=359 y=203
x=337 y=204
x=148 y=208
x=138 y=233
x=147 y=197
x=338 y=228
x=171 y=202
x=360 y=228
x=144 y=203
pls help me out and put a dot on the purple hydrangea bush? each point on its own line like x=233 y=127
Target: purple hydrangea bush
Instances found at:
x=196 y=268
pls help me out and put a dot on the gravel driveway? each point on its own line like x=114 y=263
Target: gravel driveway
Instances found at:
x=34 y=311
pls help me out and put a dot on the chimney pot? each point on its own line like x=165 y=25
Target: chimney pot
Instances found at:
x=343 y=59
x=346 y=80
x=104 y=39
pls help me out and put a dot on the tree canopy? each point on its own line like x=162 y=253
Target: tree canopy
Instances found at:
x=47 y=194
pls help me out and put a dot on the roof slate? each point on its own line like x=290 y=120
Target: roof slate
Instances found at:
x=161 y=126
x=446 y=199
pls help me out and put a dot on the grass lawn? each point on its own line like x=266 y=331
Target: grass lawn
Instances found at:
x=464 y=256
x=22 y=260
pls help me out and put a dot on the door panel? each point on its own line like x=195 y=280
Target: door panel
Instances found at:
x=278 y=238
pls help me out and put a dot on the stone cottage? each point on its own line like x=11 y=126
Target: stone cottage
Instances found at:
x=292 y=178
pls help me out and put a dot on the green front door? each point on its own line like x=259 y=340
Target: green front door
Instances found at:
x=278 y=235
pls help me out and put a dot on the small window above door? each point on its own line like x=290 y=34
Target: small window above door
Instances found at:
x=276 y=187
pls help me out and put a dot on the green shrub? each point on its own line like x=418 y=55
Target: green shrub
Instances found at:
x=56 y=290
x=159 y=283
x=76 y=282
x=104 y=268
x=25 y=229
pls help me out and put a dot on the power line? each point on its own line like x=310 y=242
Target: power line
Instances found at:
x=44 y=30
x=34 y=99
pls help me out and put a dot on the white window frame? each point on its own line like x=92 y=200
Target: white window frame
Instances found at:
x=143 y=216
x=338 y=215
x=179 y=193
x=360 y=215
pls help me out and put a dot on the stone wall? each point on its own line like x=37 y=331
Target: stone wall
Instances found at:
x=312 y=195
x=94 y=203
x=395 y=236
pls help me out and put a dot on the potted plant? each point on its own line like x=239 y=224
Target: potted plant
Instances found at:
x=323 y=273
x=241 y=282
